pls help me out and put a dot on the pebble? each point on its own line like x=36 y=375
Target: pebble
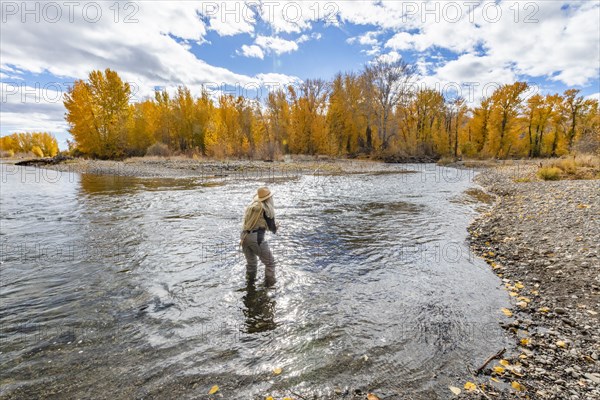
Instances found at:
x=592 y=377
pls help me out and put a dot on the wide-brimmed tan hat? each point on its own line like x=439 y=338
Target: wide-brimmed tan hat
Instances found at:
x=262 y=194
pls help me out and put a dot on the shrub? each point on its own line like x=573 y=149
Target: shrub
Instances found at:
x=549 y=173
x=446 y=160
x=578 y=167
x=7 y=153
x=588 y=161
x=568 y=165
x=37 y=151
x=158 y=149
x=522 y=179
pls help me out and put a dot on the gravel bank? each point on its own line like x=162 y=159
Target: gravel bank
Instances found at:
x=179 y=167
x=542 y=239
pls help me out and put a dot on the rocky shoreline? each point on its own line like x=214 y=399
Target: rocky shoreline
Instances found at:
x=542 y=239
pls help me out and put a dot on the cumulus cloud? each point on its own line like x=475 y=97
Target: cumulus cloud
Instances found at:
x=390 y=57
x=272 y=44
x=151 y=49
x=33 y=109
x=547 y=39
x=595 y=96
x=252 y=51
x=367 y=39
x=275 y=45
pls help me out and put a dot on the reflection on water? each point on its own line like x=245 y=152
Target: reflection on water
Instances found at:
x=136 y=288
x=116 y=185
x=259 y=308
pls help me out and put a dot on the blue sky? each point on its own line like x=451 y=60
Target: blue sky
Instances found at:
x=553 y=45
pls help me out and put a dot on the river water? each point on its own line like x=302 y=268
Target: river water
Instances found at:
x=121 y=288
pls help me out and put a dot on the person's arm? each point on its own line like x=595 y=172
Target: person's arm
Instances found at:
x=271 y=224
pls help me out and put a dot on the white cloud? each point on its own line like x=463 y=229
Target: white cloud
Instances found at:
x=302 y=39
x=32 y=109
x=549 y=39
x=472 y=76
x=230 y=27
x=375 y=50
x=366 y=39
x=595 y=96
x=468 y=66
x=252 y=51
x=289 y=16
x=32 y=122
x=390 y=57
x=563 y=45
x=276 y=45
x=275 y=80
x=154 y=51
x=401 y=41
x=146 y=52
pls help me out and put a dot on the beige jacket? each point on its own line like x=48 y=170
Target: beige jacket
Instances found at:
x=254 y=217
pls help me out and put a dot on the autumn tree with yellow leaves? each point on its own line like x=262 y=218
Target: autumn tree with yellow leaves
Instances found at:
x=376 y=113
x=98 y=113
x=41 y=144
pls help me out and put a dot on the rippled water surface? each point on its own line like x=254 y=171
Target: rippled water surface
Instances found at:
x=122 y=288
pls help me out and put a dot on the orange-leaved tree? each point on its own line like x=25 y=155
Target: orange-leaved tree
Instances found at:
x=98 y=112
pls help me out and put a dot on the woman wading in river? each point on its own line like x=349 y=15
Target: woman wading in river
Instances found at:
x=258 y=217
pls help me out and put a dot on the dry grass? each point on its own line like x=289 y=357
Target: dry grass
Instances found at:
x=550 y=173
x=158 y=149
x=472 y=163
x=446 y=161
x=585 y=166
x=523 y=179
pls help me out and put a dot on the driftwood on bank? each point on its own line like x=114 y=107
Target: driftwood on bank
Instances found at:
x=489 y=359
x=44 y=161
x=399 y=159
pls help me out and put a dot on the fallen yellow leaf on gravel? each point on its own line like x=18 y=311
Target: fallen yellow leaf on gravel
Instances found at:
x=504 y=362
x=513 y=294
x=371 y=396
x=470 y=387
x=213 y=390
x=498 y=370
x=517 y=386
x=522 y=304
x=519 y=285
x=544 y=309
x=277 y=371
x=525 y=342
x=562 y=344
x=507 y=312
x=269 y=398
x=454 y=390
